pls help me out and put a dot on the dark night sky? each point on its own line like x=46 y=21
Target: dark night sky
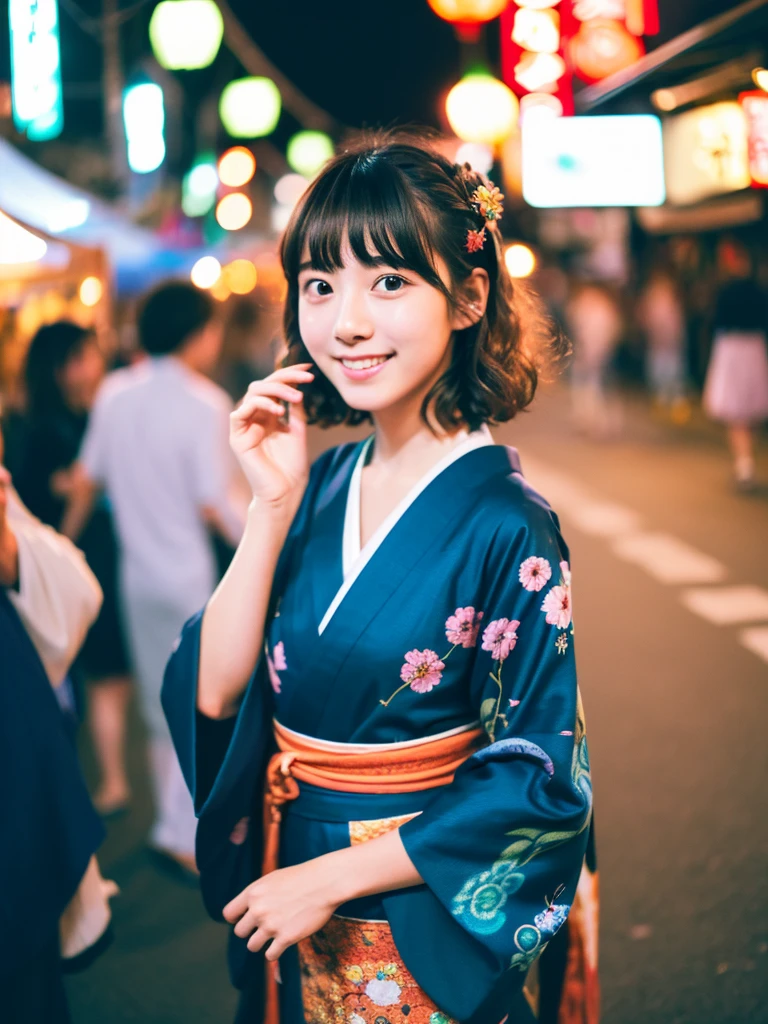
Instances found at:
x=365 y=62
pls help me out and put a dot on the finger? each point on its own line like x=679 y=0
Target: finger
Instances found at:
x=275 y=389
x=276 y=950
x=235 y=909
x=259 y=403
x=247 y=924
x=300 y=372
x=258 y=940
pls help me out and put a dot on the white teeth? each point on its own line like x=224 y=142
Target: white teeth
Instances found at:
x=363 y=364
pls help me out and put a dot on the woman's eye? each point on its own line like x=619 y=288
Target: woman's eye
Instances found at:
x=318 y=287
x=391 y=283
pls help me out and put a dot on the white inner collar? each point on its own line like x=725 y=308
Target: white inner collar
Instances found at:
x=354 y=559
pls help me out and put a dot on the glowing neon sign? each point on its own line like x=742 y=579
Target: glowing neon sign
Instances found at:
x=36 y=68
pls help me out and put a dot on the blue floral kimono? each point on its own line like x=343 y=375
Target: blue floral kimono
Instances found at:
x=461 y=615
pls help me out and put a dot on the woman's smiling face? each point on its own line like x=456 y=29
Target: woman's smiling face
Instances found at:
x=382 y=336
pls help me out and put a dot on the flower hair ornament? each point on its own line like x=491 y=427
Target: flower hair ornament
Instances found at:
x=487 y=202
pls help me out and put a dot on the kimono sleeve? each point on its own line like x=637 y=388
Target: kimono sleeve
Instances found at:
x=502 y=846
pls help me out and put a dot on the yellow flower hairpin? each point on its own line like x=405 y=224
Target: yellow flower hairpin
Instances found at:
x=488 y=201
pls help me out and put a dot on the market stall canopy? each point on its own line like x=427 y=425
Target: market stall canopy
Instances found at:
x=716 y=57
x=42 y=201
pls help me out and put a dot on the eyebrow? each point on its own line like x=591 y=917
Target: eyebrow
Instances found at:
x=374 y=261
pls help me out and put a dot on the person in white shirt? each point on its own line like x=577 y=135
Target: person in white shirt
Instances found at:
x=157 y=441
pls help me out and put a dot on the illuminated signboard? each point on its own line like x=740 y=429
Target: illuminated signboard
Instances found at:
x=706 y=153
x=36 y=68
x=755 y=107
x=592 y=161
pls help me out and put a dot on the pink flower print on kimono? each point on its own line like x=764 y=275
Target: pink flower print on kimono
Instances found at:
x=535 y=573
x=500 y=637
x=279 y=664
x=462 y=627
x=557 y=603
x=423 y=670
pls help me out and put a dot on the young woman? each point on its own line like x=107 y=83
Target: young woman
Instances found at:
x=388 y=664
x=736 y=388
x=63 y=372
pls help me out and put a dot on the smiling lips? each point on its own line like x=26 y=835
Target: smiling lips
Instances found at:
x=362 y=367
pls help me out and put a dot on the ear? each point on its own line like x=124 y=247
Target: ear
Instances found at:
x=472 y=300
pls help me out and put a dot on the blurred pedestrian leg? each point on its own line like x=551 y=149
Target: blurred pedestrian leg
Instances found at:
x=153 y=623
x=595 y=326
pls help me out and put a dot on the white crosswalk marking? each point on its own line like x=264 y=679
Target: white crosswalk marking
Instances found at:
x=756 y=640
x=728 y=605
x=669 y=559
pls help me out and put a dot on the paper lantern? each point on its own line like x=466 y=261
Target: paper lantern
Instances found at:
x=236 y=167
x=537 y=5
x=602 y=47
x=250 y=107
x=468 y=12
x=234 y=211
x=537 y=31
x=480 y=108
x=206 y=272
x=186 y=34
x=308 y=151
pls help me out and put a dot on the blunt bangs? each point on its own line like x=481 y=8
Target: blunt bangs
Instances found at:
x=364 y=202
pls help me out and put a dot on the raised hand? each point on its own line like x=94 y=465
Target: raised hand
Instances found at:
x=272 y=448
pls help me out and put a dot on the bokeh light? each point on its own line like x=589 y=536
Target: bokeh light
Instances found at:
x=186 y=34
x=91 y=291
x=234 y=211
x=250 y=107
x=480 y=108
x=540 y=104
x=240 y=276
x=206 y=272
x=17 y=245
x=478 y=156
x=144 y=119
x=308 y=151
x=289 y=189
x=760 y=78
x=519 y=260
x=199 y=185
x=237 y=166
x=468 y=11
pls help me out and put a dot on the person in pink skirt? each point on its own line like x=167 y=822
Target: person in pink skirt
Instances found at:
x=736 y=388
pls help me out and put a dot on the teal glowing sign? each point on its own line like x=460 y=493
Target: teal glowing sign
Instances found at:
x=36 y=68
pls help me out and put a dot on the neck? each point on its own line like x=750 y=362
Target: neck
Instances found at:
x=186 y=358
x=404 y=439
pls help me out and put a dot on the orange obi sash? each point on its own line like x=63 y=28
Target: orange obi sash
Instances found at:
x=376 y=768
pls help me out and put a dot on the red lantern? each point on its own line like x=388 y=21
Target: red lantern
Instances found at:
x=468 y=12
x=602 y=47
x=467 y=16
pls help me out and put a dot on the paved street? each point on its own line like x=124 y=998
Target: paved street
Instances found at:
x=670 y=573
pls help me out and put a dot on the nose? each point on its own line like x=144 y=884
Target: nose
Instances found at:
x=353 y=323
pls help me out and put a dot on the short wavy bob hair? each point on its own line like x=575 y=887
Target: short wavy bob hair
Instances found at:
x=393 y=196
